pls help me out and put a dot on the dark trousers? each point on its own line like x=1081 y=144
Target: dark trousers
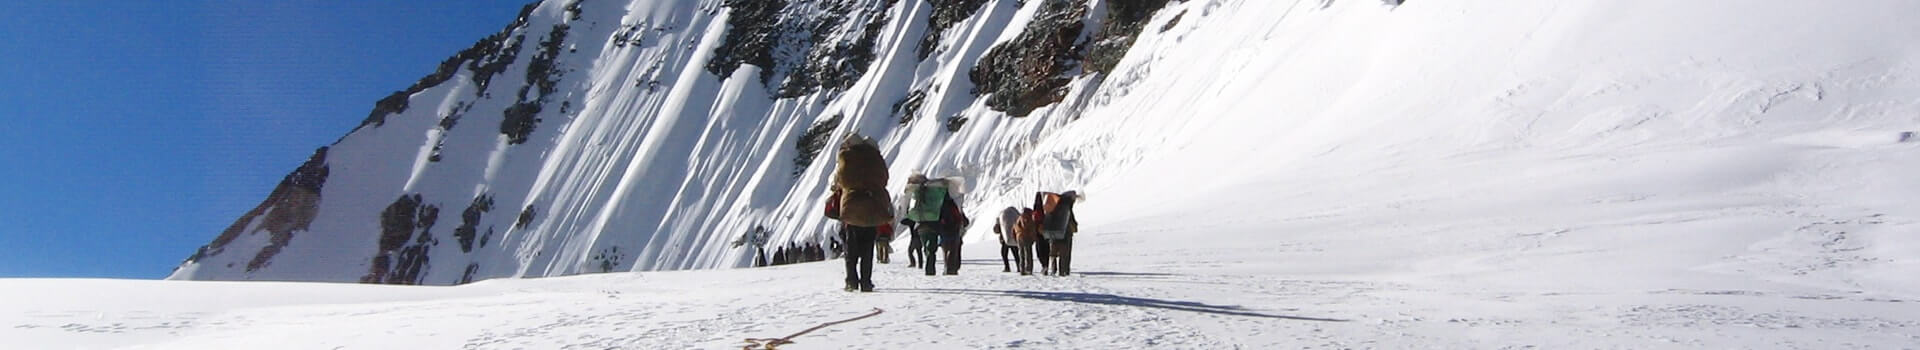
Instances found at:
x=915 y=252
x=1062 y=250
x=929 y=248
x=1005 y=251
x=1043 y=250
x=859 y=255
x=950 y=241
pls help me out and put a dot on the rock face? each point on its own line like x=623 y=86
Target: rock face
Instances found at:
x=649 y=134
x=291 y=208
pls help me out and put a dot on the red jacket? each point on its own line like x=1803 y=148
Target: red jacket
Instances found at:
x=833 y=206
x=955 y=219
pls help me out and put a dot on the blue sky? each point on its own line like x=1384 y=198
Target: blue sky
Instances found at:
x=136 y=130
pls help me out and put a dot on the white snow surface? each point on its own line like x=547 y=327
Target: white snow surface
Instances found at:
x=1262 y=174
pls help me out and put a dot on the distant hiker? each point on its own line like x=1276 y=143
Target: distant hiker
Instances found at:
x=1017 y=234
x=938 y=218
x=925 y=242
x=1057 y=226
x=1003 y=228
x=1027 y=228
x=883 y=242
x=860 y=201
x=915 y=253
x=1042 y=251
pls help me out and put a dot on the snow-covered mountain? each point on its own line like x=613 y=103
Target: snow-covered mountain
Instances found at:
x=601 y=136
x=1262 y=174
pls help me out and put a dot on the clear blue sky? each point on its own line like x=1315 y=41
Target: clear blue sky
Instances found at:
x=136 y=130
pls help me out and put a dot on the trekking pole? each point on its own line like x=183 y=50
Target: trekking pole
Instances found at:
x=774 y=343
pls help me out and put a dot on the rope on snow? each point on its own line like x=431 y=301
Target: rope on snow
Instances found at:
x=772 y=343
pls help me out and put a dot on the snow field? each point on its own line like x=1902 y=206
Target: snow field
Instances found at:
x=1264 y=174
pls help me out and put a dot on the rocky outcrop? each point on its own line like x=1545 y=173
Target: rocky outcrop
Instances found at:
x=406 y=234
x=801 y=47
x=1032 y=70
x=485 y=58
x=1123 y=22
x=289 y=209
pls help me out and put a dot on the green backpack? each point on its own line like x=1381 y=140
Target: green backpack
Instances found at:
x=926 y=202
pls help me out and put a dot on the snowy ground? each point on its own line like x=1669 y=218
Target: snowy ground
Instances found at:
x=1140 y=285
x=1578 y=174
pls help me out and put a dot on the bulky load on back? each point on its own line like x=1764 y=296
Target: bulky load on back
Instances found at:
x=861 y=181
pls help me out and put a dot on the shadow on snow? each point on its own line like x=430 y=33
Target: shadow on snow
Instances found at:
x=1110 y=299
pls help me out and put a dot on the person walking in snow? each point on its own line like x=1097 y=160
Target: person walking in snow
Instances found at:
x=883 y=242
x=915 y=253
x=1057 y=226
x=1009 y=245
x=938 y=219
x=861 y=203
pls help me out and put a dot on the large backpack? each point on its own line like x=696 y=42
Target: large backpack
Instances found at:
x=862 y=181
x=1009 y=218
x=928 y=198
x=1058 y=215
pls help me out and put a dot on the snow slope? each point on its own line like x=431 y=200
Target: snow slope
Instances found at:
x=640 y=156
x=1265 y=174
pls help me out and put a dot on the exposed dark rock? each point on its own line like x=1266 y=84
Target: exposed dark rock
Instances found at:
x=946 y=13
x=812 y=141
x=486 y=67
x=447 y=122
x=470 y=220
x=522 y=117
x=541 y=72
x=802 y=47
x=289 y=209
x=750 y=31
x=526 y=217
x=486 y=237
x=467 y=276
x=519 y=122
x=1031 y=70
x=494 y=53
x=955 y=122
x=1124 y=20
x=1173 y=22
x=484 y=58
x=405 y=239
x=835 y=66
x=393 y=103
x=573 y=10
x=910 y=105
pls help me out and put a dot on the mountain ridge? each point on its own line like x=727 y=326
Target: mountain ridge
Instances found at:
x=620 y=104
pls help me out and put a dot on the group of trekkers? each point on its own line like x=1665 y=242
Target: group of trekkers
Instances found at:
x=935 y=221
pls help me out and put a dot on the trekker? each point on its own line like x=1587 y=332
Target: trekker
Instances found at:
x=1009 y=244
x=938 y=219
x=914 y=251
x=861 y=203
x=1041 y=250
x=1057 y=225
x=883 y=242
